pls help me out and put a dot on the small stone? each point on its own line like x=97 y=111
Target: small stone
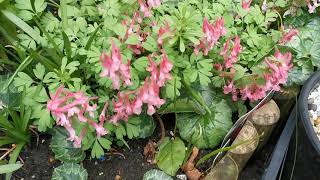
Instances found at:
x=312 y=107
x=182 y=177
x=95 y=163
x=33 y=176
x=314 y=116
x=317 y=121
x=310 y=100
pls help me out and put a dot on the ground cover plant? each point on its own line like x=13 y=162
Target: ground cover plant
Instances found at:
x=94 y=73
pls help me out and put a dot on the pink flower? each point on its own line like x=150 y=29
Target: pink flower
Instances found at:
x=114 y=68
x=148 y=94
x=164 y=72
x=313 y=6
x=144 y=8
x=288 y=36
x=246 y=4
x=276 y=74
x=253 y=92
x=230 y=88
x=278 y=70
x=212 y=33
x=153 y=69
x=162 y=32
x=154 y=3
x=229 y=60
x=67 y=107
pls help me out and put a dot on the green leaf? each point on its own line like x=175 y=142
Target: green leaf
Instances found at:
x=307 y=43
x=44 y=121
x=22 y=25
x=240 y=72
x=27 y=42
x=67 y=46
x=69 y=171
x=141 y=64
x=150 y=44
x=119 y=30
x=63 y=149
x=171 y=155
x=182 y=46
x=204 y=80
x=7 y=168
x=155 y=174
x=97 y=150
x=206 y=131
x=120 y=131
x=105 y=143
x=141 y=126
x=133 y=39
x=23 y=80
x=298 y=75
x=39 y=71
x=64 y=15
x=9 y=97
x=92 y=37
x=132 y=131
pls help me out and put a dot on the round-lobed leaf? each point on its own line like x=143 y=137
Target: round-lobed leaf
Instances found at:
x=206 y=131
x=155 y=174
x=171 y=155
x=64 y=149
x=69 y=171
x=146 y=126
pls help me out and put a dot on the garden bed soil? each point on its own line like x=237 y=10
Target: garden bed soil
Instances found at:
x=39 y=161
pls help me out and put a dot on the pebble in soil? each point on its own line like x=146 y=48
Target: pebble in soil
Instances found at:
x=314 y=108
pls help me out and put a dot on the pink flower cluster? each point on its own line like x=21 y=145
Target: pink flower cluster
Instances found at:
x=312 y=6
x=212 y=33
x=114 y=68
x=232 y=58
x=276 y=74
x=162 y=32
x=246 y=4
x=148 y=93
x=67 y=106
x=288 y=36
x=146 y=7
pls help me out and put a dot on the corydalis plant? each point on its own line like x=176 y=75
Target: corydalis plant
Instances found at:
x=275 y=74
x=131 y=102
x=67 y=107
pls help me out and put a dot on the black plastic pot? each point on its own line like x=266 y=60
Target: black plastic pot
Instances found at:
x=302 y=157
x=274 y=169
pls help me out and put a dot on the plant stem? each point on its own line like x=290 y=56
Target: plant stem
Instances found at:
x=208 y=156
x=163 y=131
x=196 y=96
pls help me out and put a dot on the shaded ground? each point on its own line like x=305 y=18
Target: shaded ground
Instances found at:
x=39 y=163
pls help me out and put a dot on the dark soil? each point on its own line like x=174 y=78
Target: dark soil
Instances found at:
x=39 y=161
x=132 y=167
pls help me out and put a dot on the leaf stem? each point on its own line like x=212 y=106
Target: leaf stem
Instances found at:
x=196 y=96
x=163 y=131
x=208 y=156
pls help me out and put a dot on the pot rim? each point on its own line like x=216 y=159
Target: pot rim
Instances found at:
x=303 y=109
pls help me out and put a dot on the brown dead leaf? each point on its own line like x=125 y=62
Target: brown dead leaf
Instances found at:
x=118 y=177
x=188 y=168
x=149 y=152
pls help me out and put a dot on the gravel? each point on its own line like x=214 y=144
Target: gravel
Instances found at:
x=314 y=108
